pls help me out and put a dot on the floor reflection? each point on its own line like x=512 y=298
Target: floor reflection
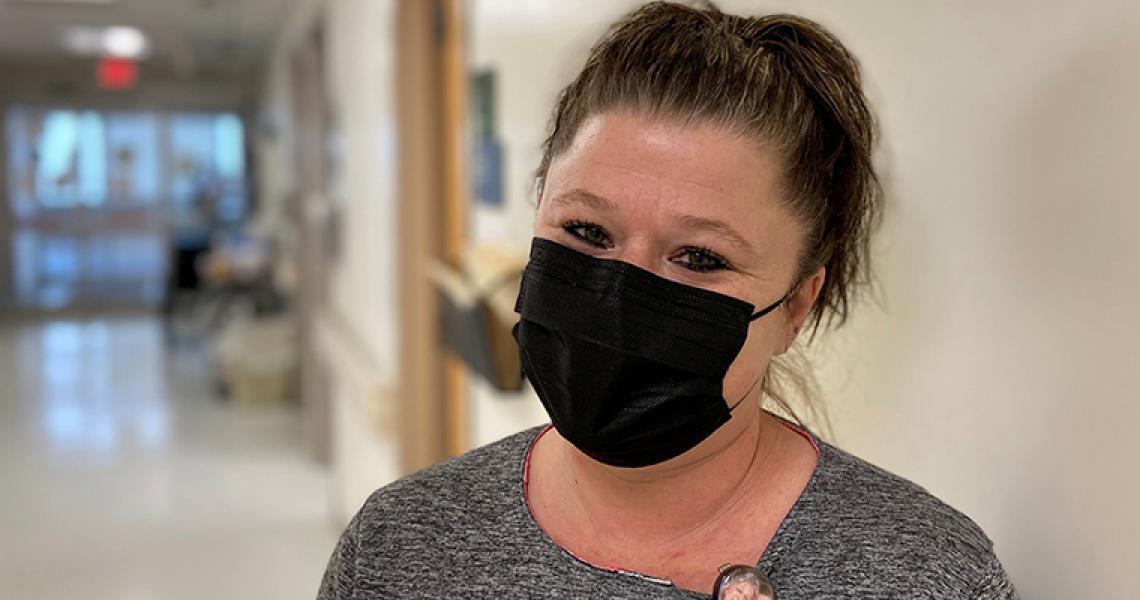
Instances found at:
x=96 y=387
x=124 y=477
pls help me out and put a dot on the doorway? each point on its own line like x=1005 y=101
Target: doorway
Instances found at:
x=97 y=198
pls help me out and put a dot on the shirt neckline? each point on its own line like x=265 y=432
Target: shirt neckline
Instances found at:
x=783 y=539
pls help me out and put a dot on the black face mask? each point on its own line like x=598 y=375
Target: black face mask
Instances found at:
x=629 y=365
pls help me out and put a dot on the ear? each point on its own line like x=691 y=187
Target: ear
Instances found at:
x=800 y=304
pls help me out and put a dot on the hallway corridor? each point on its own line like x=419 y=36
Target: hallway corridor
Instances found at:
x=122 y=476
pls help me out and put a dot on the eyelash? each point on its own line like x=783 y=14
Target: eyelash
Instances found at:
x=718 y=262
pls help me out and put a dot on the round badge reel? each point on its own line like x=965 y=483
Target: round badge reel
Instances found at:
x=742 y=582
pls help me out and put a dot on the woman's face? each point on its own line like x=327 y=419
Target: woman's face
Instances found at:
x=692 y=203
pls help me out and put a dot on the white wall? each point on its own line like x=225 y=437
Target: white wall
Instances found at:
x=357 y=332
x=1002 y=372
x=361 y=68
x=534 y=48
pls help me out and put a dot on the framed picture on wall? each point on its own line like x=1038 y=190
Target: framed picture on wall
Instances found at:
x=486 y=149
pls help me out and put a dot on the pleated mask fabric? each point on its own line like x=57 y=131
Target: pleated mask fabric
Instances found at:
x=629 y=365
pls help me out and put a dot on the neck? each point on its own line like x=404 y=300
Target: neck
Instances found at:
x=681 y=498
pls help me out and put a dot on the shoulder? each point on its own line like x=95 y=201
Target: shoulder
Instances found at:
x=456 y=498
x=872 y=528
x=452 y=513
x=877 y=502
x=483 y=480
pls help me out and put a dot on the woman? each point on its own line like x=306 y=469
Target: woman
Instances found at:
x=706 y=194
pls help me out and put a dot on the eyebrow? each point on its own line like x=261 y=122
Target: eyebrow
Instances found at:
x=693 y=222
x=581 y=196
x=717 y=227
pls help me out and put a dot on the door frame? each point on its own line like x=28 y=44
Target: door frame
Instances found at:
x=431 y=101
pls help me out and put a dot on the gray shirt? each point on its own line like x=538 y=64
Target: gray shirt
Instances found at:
x=462 y=529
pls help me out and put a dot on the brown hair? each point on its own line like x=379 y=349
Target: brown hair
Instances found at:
x=783 y=80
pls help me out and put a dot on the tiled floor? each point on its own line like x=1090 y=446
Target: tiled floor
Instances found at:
x=122 y=477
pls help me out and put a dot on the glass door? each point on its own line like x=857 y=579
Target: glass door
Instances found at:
x=97 y=199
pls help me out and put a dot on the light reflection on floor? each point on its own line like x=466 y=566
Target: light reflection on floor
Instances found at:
x=121 y=476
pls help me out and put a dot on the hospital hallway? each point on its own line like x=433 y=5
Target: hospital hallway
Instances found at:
x=262 y=258
x=127 y=477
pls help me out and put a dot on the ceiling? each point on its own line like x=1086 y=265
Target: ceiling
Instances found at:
x=187 y=35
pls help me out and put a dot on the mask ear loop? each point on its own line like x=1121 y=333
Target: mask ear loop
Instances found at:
x=757 y=315
x=742 y=398
x=769 y=308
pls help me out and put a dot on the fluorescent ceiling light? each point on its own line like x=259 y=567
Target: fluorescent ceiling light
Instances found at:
x=120 y=42
x=124 y=42
x=83 y=40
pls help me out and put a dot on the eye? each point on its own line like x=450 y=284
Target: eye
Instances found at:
x=590 y=233
x=701 y=259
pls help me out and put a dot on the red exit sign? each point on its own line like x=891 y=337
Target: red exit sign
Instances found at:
x=117 y=73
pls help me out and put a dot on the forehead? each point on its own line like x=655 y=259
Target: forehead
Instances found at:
x=658 y=164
